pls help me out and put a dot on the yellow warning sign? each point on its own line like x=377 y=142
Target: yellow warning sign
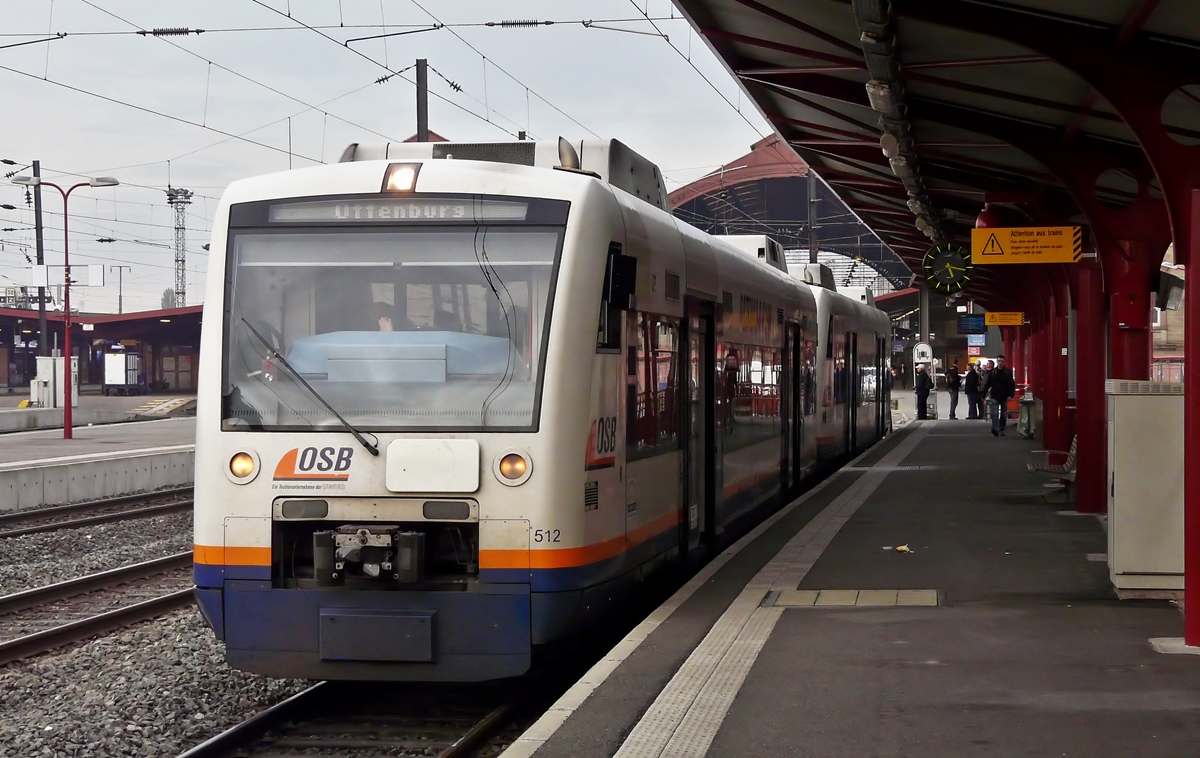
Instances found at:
x=1004 y=318
x=1027 y=244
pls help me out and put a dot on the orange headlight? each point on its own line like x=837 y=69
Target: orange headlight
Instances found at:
x=513 y=466
x=241 y=465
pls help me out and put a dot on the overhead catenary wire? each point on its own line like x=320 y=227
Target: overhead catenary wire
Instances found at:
x=144 y=109
x=234 y=73
x=366 y=57
x=504 y=71
x=247 y=29
x=707 y=81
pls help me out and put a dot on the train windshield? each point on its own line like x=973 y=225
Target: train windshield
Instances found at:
x=396 y=329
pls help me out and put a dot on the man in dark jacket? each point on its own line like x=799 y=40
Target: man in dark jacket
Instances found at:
x=953 y=384
x=922 y=384
x=971 y=388
x=1001 y=387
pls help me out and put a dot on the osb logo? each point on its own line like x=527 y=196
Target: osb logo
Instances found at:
x=307 y=464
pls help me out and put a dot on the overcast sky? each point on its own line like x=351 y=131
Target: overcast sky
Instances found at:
x=200 y=111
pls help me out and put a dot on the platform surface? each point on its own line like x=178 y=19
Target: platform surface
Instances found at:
x=114 y=439
x=993 y=635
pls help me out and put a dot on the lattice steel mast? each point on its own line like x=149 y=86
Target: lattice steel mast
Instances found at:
x=180 y=199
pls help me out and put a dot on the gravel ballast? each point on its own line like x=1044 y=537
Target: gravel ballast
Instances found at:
x=35 y=560
x=154 y=689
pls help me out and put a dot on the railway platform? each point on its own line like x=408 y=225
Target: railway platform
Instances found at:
x=994 y=631
x=41 y=468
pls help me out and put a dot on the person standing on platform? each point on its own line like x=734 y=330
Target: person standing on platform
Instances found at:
x=1001 y=387
x=971 y=388
x=953 y=384
x=985 y=378
x=922 y=384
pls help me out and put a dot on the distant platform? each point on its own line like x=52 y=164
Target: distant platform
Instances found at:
x=41 y=468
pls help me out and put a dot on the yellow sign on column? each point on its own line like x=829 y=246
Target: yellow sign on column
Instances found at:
x=1004 y=318
x=1027 y=244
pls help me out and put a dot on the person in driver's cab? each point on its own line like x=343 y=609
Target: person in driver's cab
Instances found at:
x=382 y=314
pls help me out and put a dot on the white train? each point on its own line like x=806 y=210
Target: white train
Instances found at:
x=457 y=399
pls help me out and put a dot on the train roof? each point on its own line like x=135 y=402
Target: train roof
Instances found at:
x=610 y=160
x=758 y=246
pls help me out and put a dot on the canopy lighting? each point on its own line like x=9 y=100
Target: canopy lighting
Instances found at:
x=880 y=96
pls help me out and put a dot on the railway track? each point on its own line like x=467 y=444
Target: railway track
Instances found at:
x=369 y=719
x=95 y=512
x=42 y=619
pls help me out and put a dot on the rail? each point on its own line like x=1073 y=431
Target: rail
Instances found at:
x=49 y=515
x=309 y=720
x=49 y=639
x=57 y=636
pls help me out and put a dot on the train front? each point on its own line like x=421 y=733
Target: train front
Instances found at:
x=380 y=375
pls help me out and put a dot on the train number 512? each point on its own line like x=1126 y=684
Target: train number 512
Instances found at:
x=547 y=535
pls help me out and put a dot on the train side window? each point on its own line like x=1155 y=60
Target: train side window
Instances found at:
x=750 y=389
x=666 y=383
x=614 y=300
x=636 y=410
x=652 y=400
x=810 y=377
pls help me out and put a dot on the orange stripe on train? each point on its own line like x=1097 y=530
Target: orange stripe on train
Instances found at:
x=219 y=555
x=571 y=557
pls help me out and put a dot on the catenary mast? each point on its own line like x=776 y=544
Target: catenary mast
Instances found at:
x=180 y=199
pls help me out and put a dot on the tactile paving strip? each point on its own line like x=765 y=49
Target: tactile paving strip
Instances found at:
x=857 y=598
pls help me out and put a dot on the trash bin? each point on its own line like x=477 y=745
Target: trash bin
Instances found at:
x=1026 y=414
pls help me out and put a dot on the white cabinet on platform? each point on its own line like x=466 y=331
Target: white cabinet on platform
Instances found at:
x=1145 y=487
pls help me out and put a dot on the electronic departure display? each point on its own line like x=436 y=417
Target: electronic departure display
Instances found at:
x=398 y=209
x=971 y=323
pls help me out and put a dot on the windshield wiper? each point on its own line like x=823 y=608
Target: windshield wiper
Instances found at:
x=274 y=356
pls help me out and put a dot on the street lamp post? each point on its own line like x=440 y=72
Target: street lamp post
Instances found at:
x=37 y=181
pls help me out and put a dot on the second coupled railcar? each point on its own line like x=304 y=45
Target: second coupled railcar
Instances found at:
x=459 y=398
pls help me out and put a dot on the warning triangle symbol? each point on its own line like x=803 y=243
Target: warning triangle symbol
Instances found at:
x=992 y=246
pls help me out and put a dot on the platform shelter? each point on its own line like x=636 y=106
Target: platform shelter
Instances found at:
x=168 y=341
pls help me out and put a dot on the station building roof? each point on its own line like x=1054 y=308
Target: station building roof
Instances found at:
x=163 y=326
x=766 y=192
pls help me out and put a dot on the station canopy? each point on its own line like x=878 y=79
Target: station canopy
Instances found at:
x=918 y=112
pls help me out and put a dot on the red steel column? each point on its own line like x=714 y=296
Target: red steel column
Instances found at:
x=1051 y=403
x=1091 y=370
x=1016 y=358
x=1057 y=433
x=1006 y=336
x=1037 y=362
x=1129 y=315
x=1191 y=434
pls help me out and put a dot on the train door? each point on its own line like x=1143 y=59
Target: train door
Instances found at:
x=793 y=407
x=698 y=517
x=883 y=403
x=851 y=392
